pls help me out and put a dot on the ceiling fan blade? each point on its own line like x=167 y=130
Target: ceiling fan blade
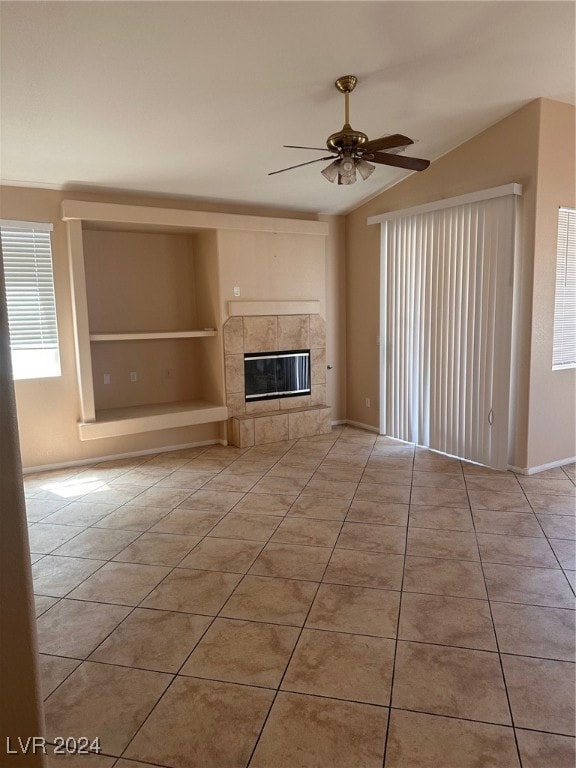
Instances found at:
x=387 y=142
x=319 y=160
x=410 y=163
x=292 y=146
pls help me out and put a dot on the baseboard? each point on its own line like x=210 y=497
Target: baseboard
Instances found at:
x=542 y=467
x=114 y=456
x=339 y=423
x=359 y=425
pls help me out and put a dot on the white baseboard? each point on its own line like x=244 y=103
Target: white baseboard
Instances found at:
x=359 y=424
x=114 y=456
x=542 y=467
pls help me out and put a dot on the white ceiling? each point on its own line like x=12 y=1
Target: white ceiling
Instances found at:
x=197 y=98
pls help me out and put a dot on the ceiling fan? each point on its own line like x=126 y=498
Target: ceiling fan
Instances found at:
x=353 y=149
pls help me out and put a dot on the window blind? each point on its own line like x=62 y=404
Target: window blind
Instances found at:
x=564 y=344
x=30 y=301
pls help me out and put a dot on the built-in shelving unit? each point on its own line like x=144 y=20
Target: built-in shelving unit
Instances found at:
x=149 y=335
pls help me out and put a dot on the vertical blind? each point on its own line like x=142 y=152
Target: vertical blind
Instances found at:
x=30 y=299
x=447 y=318
x=564 y=344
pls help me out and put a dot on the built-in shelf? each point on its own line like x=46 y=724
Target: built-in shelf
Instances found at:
x=149 y=418
x=151 y=335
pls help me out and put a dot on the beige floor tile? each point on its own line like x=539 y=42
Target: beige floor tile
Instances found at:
x=390 y=463
x=552 y=505
x=444 y=518
x=438 y=480
x=529 y=630
x=516 y=550
x=505 y=502
x=340 y=489
x=141 y=477
x=541 y=693
x=320 y=508
x=185 y=480
x=503 y=483
x=187 y=522
x=281 y=485
x=439 y=497
x=318 y=533
x=539 y=750
x=434 y=462
x=350 y=475
x=455 y=621
x=276 y=601
x=285 y=470
x=246 y=652
x=38 y=509
x=97 y=543
x=291 y=561
x=507 y=523
x=450 y=681
x=373 y=538
x=161 y=497
x=312 y=732
x=116 y=494
x=265 y=504
x=158 y=549
x=365 y=569
x=216 y=554
x=45 y=538
x=121 y=583
x=74 y=628
x=132 y=518
x=191 y=591
x=212 y=501
x=81 y=513
x=91 y=760
x=565 y=551
x=249 y=527
x=458 y=578
x=556 y=487
x=155 y=640
x=42 y=603
x=230 y=482
x=53 y=671
x=245 y=466
x=385 y=494
x=377 y=513
x=387 y=476
x=341 y=666
x=203 y=723
x=558 y=526
x=530 y=586
x=357 y=610
x=453 y=545
x=109 y=702
x=417 y=740
x=56 y=576
x=571 y=578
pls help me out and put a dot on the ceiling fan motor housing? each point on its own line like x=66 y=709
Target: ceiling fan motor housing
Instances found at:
x=346 y=140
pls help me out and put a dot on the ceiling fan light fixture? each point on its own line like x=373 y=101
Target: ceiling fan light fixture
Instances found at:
x=347 y=165
x=364 y=169
x=331 y=171
x=347 y=178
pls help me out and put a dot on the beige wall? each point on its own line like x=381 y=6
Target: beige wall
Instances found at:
x=48 y=409
x=506 y=152
x=552 y=409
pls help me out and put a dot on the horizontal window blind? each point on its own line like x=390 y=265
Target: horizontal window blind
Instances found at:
x=29 y=280
x=564 y=344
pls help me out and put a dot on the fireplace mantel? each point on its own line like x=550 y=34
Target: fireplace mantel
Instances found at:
x=258 y=308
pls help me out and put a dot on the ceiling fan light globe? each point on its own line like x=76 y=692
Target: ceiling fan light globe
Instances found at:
x=331 y=171
x=364 y=169
x=348 y=178
x=347 y=165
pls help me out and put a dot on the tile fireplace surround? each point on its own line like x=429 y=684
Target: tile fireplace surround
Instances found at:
x=257 y=423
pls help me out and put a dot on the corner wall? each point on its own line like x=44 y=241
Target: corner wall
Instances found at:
x=507 y=152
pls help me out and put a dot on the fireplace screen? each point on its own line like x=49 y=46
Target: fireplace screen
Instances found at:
x=282 y=374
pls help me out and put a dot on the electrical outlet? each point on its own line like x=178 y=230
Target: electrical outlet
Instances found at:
x=236 y=290
x=368 y=402
x=106 y=378
x=133 y=376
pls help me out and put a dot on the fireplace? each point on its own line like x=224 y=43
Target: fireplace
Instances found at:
x=272 y=375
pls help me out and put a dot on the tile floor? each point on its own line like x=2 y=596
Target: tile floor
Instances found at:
x=343 y=601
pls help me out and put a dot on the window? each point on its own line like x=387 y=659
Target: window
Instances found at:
x=27 y=258
x=564 y=350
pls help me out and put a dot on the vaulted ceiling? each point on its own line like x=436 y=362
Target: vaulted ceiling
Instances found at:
x=198 y=98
